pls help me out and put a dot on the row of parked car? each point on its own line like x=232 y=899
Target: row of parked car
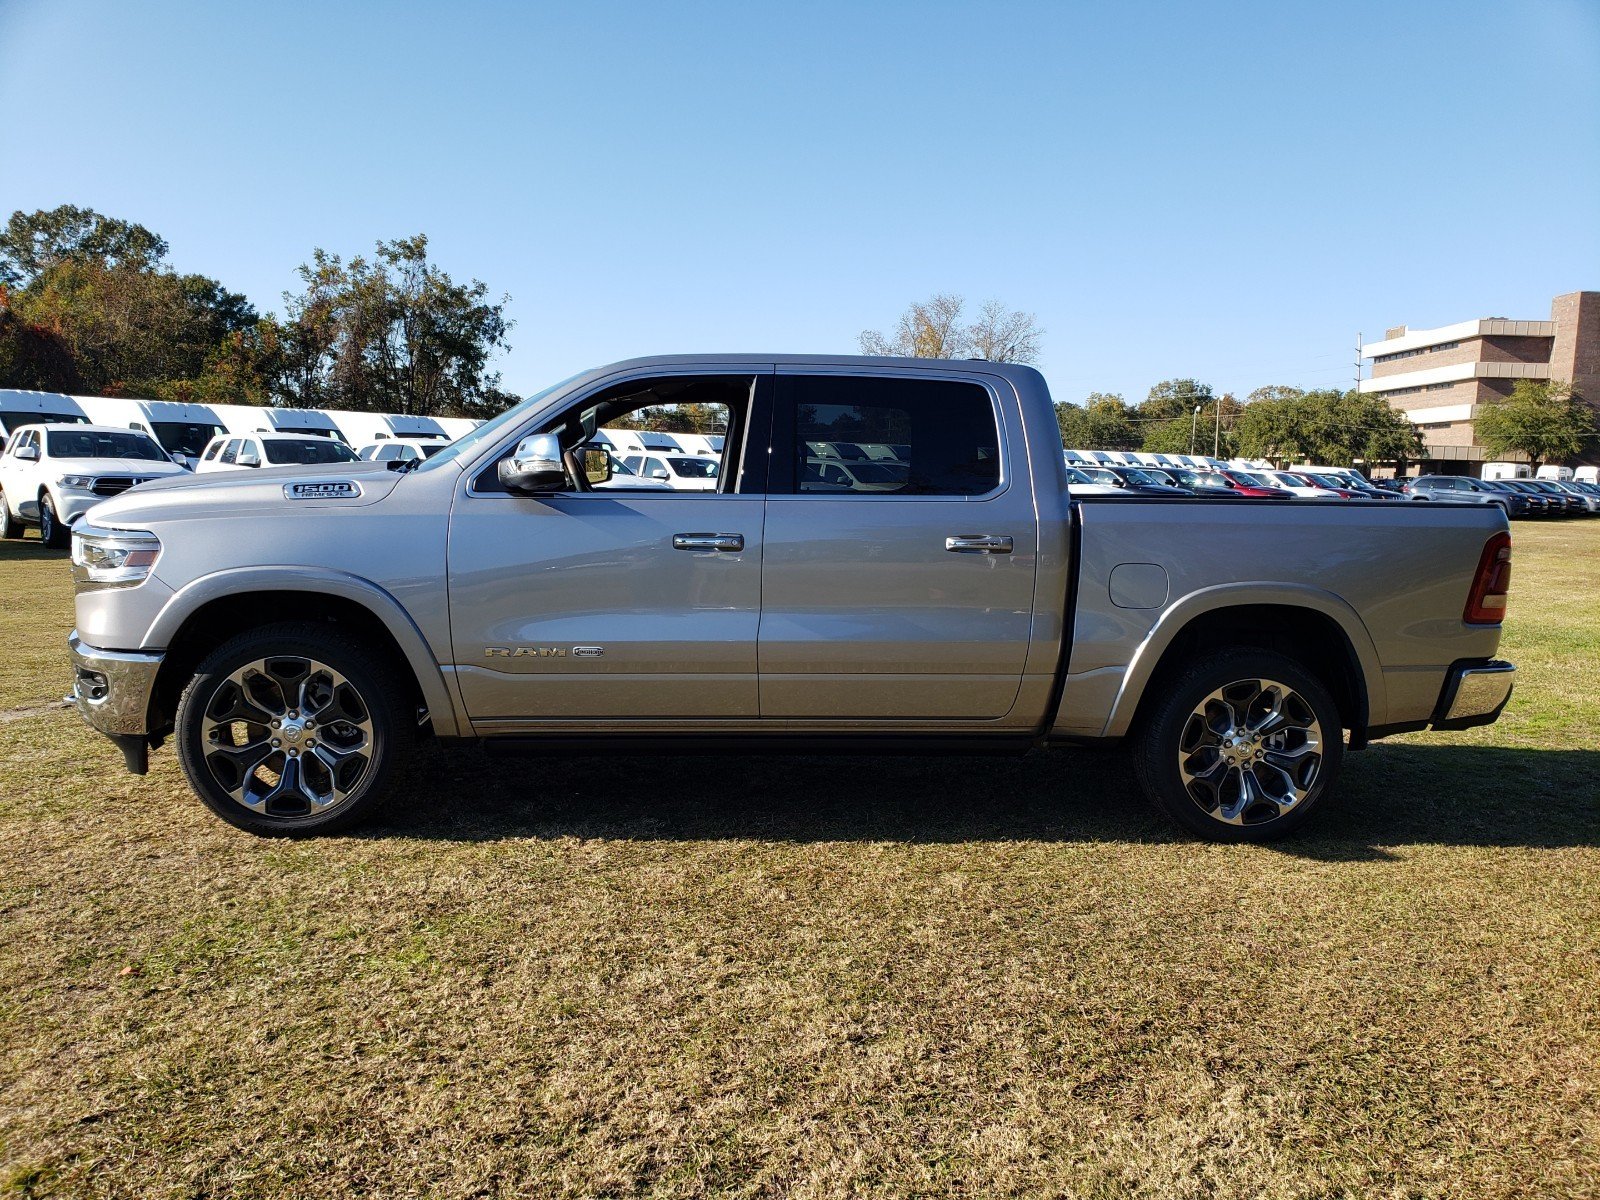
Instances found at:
x=63 y=454
x=1518 y=497
x=1091 y=472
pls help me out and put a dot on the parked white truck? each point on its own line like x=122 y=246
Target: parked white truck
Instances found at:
x=294 y=630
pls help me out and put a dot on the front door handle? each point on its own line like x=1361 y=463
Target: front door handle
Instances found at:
x=708 y=541
x=978 y=543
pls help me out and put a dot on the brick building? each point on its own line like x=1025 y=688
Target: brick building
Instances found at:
x=1438 y=377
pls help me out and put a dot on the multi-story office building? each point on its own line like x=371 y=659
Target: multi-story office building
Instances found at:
x=1439 y=377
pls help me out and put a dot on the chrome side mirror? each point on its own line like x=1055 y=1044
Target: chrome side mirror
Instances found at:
x=28 y=453
x=249 y=458
x=535 y=467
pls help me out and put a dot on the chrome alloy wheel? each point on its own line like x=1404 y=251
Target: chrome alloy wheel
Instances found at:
x=287 y=736
x=1250 y=752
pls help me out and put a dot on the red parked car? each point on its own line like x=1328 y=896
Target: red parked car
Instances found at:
x=1238 y=483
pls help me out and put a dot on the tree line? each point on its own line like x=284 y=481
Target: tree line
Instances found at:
x=90 y=304
x=1543 y=420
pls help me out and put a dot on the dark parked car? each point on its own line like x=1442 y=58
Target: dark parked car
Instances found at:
x=1141 y=481
x=1573 y=506
x=1396 y=487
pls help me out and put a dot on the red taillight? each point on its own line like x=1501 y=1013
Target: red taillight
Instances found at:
x=1486 y=602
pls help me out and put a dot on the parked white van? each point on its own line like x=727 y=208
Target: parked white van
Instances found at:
x=362 y=428
x=1558 y=473
x=253 y=418
x=183 y=430
x=1587 y=475
x=455 y=427
x=20 y=407
x=1504 y=470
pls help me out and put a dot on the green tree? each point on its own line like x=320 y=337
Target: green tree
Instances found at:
x=32 y=243
x=1325 y=426
x=1175 y=398
x=392 y=333
x=1102 y=422
x=33 y=357
x=1541 y=418
x=131 y=330
x=933 y=328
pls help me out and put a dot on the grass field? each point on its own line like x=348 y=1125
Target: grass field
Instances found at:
x=810 y=977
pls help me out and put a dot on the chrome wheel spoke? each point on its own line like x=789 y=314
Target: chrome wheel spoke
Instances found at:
x=1250 y=752
x=288 y=737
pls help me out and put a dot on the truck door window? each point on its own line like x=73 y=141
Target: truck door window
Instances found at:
x=656 y=408
x=230 y=452
x=941 y=435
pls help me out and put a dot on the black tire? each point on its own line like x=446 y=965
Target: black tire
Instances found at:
x=284 y=809
x=52 y=532
x=1170 y=741
x=11 y=529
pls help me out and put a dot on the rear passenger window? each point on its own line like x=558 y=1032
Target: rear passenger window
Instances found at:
x=853 y=436
x=230 y=452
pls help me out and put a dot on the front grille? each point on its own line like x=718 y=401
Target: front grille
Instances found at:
x=111 y=485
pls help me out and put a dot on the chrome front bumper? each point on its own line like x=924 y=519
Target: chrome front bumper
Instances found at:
x=111 y=688
x=1474 y=694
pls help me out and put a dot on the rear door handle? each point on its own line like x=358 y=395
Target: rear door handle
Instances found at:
x=978 y=543
x=708 y=541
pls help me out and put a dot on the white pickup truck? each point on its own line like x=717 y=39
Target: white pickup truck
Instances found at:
x=295 y=629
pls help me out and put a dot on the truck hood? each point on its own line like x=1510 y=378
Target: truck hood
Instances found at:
x=232 y=493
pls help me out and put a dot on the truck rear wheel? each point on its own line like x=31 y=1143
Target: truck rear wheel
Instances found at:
x=291 y=730
x=1242 y=747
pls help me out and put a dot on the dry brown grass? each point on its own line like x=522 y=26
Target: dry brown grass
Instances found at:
x=812 y=977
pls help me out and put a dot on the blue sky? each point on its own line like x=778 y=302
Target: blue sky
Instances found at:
x=1224 y=191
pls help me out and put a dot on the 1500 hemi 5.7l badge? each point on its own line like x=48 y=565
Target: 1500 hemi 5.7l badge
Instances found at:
x=323 y=489
x=543 y=652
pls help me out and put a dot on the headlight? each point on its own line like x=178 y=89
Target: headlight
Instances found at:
x=83 y=482
x=105 y=558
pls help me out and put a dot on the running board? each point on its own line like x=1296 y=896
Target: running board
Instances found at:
x=944 y=744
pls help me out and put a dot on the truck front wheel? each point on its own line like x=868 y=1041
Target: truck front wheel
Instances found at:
x=1242 y=746
x=290 y=730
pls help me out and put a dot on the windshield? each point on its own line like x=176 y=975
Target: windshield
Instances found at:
x=432 y=448
x=1145 y=477
x=1076 y=476
x=469 y=443
x=694 y=468
x=1101 y=475
x=185 y=437
x=1293 y=480
x=99 y=444
x=1247 y=480
x=307 y=451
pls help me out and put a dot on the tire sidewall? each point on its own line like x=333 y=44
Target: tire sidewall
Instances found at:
x=350 y=659
x=1156 y=749
x=10 y=527
x=50 y=528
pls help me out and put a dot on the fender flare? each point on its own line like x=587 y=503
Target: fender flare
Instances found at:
x=1179 y=614
x=390 y=612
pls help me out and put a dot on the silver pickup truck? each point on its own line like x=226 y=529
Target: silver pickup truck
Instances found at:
x=296 y=629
